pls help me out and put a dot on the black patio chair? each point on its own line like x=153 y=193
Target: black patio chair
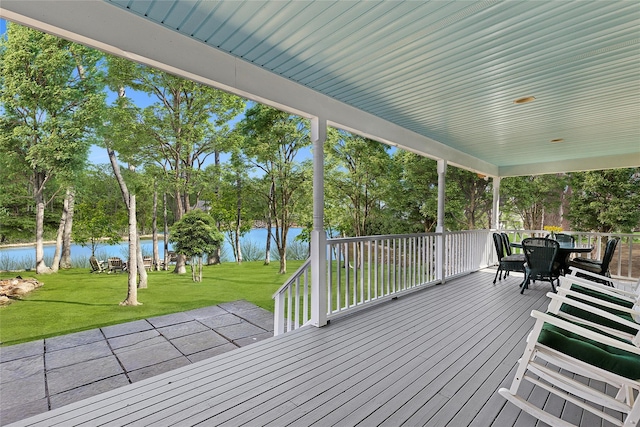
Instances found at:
x=506 y=243
x=565 y=240
x=506 y=263
x=541 y=262
x=595 y=265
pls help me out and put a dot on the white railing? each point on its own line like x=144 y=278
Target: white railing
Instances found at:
x=468 y=251
x=361 y=270
x=366 y=270
x=622 y=265
x=293 y=301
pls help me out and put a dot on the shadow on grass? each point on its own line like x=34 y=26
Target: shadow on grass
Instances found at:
x=67 y=302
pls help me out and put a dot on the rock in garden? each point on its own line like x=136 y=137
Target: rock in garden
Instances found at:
x=16 y=287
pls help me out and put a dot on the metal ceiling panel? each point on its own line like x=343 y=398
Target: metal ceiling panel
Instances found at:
x=449 y=70
x=446 y=70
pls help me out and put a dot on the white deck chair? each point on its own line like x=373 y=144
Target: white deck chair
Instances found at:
x=600 y=279
x=575 y=349
x=618 y=320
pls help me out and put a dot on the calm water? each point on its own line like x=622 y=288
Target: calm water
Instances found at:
x=253 y=244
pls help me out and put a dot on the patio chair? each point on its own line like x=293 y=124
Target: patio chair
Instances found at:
x=596 y=305
x=598 y=266
x=506 y=243
x=628 y=289
x=565 y=240
x=514 y=262
x=579 y=351
x=147 y=261
x=541 y=262
x=96 y=266
x=115 y=264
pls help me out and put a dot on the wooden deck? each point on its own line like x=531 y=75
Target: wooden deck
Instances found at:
x=432 y=358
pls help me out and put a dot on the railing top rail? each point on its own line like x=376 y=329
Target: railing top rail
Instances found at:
x=582 y=233
x=396 y=236
x=293 y=277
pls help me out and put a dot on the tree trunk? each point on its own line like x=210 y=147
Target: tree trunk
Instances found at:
x=283 y=260
x=41 y=267
x=267 y=256
x=142 y=272
x=154 y=226
x=214 y=258
x=165 y=238
x=238 y=220
x=65 y=261
x=55 y=264
x=132 y=294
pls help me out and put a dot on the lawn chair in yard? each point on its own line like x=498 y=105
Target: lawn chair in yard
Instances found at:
x=115 y=264
x=560 y=351
x=96 y=266
x=147 y=261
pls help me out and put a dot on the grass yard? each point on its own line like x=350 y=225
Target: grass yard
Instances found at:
x=75 y=300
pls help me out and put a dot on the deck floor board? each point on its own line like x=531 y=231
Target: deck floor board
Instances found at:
x=432 y=358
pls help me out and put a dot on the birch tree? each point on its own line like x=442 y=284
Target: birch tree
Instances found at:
x=186 y=122
x=273 y=139
x=49 y=111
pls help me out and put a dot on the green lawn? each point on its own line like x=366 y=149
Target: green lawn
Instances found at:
x=75 y=300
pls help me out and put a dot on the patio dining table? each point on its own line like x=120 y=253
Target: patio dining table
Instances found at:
x=564 y=252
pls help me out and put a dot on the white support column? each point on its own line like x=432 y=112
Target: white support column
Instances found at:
x=495 y=212
x=442 y=171
x=318 y=235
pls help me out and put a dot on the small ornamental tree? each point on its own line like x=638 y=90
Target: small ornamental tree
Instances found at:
x=193 y=236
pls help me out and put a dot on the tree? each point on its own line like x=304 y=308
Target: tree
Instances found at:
x=272 y=142
x=529 y=197
x=415 y=203
x=469 y=200
x=193 y=236
x=52 y=98
x=605 y=201
x=187 y=123
x=362 y=166
x=230 y=200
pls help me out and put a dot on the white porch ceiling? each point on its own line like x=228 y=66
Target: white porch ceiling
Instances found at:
x=436 y=77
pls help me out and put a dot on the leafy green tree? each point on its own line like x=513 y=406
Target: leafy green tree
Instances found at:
x=94 y=226
x=469 y=199
x=415 y=203
x=273 y=140
x=193 y=236
x=361 y=168
x=187 y=123
x=605 y=201
x=229 y=205
x=529 y=197
x=51 y=98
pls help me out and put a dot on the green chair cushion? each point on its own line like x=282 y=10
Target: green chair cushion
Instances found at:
x=604 y=297
x=609 y=358
x=587 y=315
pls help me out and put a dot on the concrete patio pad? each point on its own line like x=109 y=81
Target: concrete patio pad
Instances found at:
x=45 y=374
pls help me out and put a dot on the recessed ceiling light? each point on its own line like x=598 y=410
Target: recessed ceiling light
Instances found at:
x=524 y=100
x=557 y=140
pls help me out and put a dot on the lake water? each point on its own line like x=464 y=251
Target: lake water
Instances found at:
x=253 y=247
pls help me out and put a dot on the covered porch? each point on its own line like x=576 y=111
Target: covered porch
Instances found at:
x=441 y=338
x=435 y=357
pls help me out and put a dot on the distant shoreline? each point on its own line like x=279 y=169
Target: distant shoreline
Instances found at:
x=53 y=242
